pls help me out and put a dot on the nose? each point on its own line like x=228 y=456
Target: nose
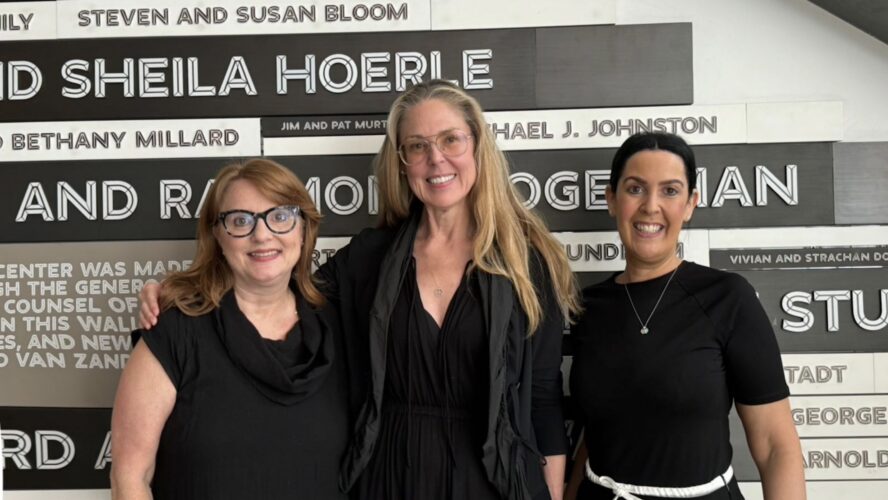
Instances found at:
x=261 y=231
x=434 y=153
x=650 y=204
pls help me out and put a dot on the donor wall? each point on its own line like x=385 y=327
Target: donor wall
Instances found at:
x=115 y=116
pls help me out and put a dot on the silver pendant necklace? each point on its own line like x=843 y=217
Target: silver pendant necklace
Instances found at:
x=644 y=324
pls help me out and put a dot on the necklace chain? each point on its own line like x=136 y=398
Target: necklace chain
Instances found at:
x=644 y=324
x=437 y=290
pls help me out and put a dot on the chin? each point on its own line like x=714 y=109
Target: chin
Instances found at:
x=652 y=257
x=267 y=279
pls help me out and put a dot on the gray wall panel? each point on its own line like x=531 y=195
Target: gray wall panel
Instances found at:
x=614 y=65
x=861 y=182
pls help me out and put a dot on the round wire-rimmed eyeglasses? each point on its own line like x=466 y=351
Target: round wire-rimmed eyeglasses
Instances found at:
x=450 y=143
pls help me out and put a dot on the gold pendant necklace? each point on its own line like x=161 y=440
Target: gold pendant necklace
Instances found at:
x=438 y=291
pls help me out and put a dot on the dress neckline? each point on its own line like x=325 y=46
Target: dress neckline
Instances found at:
x=447 y=313
x=651 y=281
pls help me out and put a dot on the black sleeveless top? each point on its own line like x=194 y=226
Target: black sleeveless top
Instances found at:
x=253 y=418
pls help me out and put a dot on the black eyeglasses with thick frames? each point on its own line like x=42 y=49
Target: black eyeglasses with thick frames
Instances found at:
x=278 y=220
x=450 y=143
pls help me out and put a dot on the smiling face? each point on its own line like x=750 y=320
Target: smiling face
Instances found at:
x=263 y=259
x=439 y=182
x=650 y=204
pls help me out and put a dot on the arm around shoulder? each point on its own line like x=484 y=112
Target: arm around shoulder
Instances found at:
x=340 y=266
x=145 y=398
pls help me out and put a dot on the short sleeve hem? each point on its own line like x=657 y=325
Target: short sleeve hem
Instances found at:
x=762 y=400
x=165 y=341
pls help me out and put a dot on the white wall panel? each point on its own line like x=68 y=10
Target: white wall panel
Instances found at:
x=608 y=128
x=829 y=490
x=472 y=14
x=767 y=51
x=329 y=145
x=880 y=372
x=602 y=128
x=799 y=237
x=602 y=251
x=808 y=374
x=846 y=459
x=111 y=18
x=27 y=21
x=841 y=416
x=105 y=140
x=795 y=121
x=328 y=246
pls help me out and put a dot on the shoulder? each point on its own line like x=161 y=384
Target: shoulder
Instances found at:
x=174 y=342
x=364 y=248
x=370 y=239
x=367 y=246
x=602 y=289
x=173 y=326
x=174 y=318
x=598 y=300
x=539 y=270
x=704 y=280
x=724 y=297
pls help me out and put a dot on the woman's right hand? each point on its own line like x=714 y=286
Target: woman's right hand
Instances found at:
x=149 y=305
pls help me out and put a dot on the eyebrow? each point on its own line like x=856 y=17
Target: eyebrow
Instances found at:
x=414 y=136
x=644 y=182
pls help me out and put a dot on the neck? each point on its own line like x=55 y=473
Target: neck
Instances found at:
x=445 y=226
x=262 y=302
x=636 y=271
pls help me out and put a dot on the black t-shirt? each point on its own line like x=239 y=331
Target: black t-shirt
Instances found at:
x=655 y=407
x=253 y=418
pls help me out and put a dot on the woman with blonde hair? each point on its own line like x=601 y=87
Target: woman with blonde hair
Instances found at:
x=239 y=389
x=460 y=298
x=464 y=330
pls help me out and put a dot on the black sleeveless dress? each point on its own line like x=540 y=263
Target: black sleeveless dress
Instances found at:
x=253 y=418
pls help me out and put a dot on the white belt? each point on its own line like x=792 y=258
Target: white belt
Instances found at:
x=628 y=491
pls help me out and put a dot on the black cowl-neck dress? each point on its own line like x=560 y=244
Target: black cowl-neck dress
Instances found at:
x=253 y=418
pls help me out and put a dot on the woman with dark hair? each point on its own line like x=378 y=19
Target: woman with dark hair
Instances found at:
x=238 y=391
x=665 y=347
x=459 y=297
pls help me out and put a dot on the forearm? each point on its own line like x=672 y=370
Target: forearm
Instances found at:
x=578 y=473
x=554 y=474
x=783 y=476
x=129 y=486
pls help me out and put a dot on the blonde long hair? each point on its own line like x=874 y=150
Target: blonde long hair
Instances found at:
x=200 y=288
x=505 y=230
